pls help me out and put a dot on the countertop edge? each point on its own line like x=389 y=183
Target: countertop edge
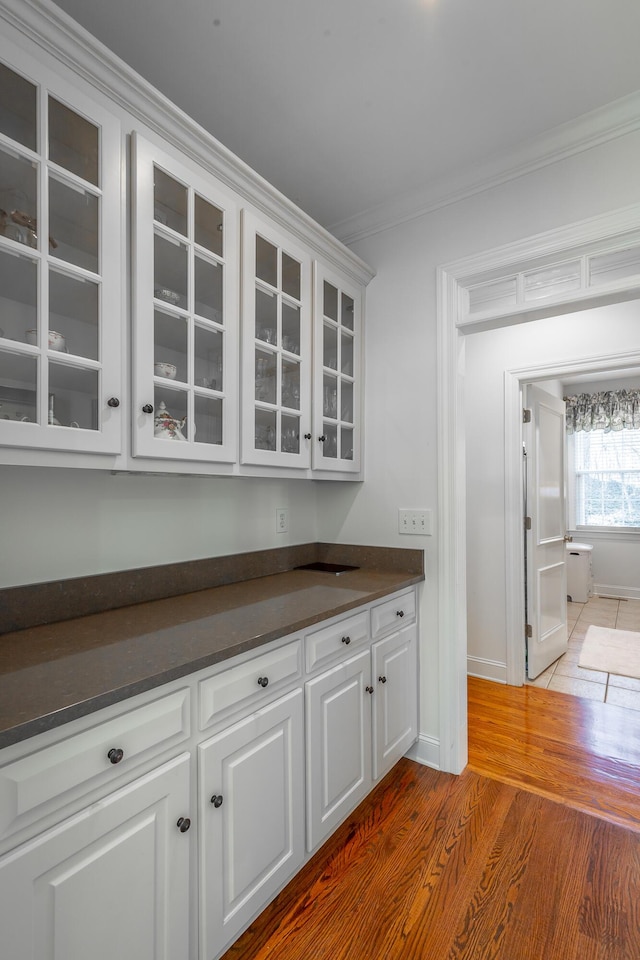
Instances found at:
x=52 y=719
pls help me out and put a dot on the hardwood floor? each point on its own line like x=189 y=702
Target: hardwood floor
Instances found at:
x=485 y=865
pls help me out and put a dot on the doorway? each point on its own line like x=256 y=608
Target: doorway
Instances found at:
x=458 y=316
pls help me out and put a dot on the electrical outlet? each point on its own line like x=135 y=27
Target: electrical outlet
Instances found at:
x=282 y=520
x=416 y=522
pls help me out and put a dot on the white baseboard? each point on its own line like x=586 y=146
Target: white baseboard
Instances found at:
x=487 y=669
x=615 y=591
x=425 y=750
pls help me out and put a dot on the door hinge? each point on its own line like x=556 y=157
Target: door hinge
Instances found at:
x=528 y=631
x=526 y=416
x=527 y=523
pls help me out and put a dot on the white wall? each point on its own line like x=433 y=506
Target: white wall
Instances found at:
x=66 y=523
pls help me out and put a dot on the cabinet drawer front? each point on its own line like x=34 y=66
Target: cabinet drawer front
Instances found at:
x=248 y=682
x=54 y=776
x=393 y=614
x=339 y=639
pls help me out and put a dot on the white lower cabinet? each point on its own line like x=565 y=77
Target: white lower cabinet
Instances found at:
x=98 y=856
x=111 y=881
x=395 y=682
x=338 y=706
x=251 y=809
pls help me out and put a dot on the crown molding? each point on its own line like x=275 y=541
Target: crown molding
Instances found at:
x=615 y=120
x=66 y=41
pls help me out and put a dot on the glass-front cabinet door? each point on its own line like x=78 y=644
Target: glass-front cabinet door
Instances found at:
x=60 y=267
x=337 y=384
x=276 y=342
x=185 y=311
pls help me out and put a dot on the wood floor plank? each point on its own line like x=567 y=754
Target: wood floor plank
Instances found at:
x=484 y=866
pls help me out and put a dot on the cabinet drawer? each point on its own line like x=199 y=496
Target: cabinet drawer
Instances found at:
x=394 y=613
x=337 y=640
x=54 y=776
x=248 y=683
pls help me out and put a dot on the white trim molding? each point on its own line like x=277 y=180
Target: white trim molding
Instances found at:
x=426 y=750
x=614 y=120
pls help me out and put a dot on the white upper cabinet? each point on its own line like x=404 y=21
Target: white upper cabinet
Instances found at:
x=185 y=343
x=60 y=264
x=337 y=383
x=276 y=346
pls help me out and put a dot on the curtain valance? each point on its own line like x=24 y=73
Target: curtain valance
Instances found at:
x=612 y=410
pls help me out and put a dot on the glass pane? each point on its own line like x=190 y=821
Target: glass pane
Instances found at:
x=330 y=346
x=330 y=308
x=208 y=359
x=346 y=443
x=346 y=312
x=608 y=267
x=170 y=417
x=73 y=397
x=18 y=297
x=330 y=397
x=18 y=199
x=170 y=271
x=266 y=316
x=346 y=354
x=346 y=401
x=552 y=281
x=17 y=108
x=18 y=379
x=266 y=262
x=73 y=142
x=265 y=376
x=73 y=224
x=170 y=337
x=169 y=202
x=208 y=425
x=495 y=295
x=291 y=384
x=290 y=440
x=73 y=313
x=291 y=328
x=330 y=445
x=265 y=430
x=208 y=281
x=209 y=223
x=290 y=276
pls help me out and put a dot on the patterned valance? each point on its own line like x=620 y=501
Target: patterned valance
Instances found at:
x=612 y=410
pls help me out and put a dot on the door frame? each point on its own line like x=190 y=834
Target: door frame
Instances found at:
x=583 y=240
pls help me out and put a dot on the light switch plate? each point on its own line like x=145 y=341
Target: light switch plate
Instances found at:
x=415 y=522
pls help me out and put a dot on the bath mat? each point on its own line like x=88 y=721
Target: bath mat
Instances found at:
x=611 y=651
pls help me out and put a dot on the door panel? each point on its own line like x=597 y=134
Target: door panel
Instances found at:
x=546 y=566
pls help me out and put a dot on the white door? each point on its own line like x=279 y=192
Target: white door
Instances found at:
x=338 y=730
x=112 y=881
x=546 y=572
x=252 y=817
x=395 y=723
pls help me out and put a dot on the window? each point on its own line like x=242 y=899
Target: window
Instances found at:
x=606 y=469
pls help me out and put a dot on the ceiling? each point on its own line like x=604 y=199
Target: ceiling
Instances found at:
x=347 y=105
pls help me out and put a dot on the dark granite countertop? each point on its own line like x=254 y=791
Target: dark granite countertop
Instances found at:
x=54 y=672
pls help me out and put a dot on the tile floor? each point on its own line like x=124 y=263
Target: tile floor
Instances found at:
x=567 y=677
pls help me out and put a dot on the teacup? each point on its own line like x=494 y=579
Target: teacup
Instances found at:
x=56 y=340
x=167 y=370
